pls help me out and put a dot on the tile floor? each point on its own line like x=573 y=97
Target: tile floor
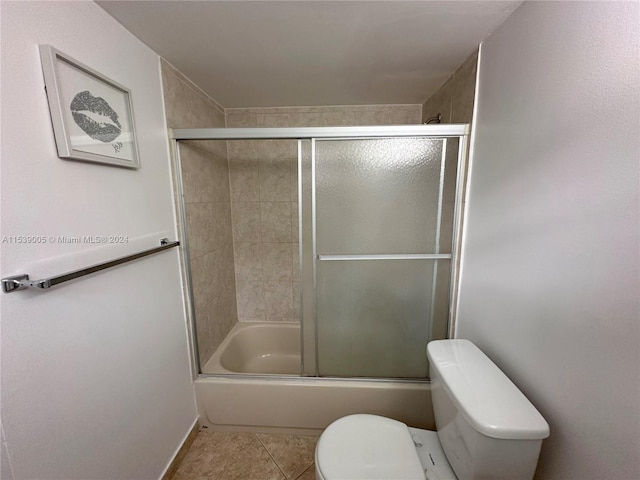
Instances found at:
x=248 y=456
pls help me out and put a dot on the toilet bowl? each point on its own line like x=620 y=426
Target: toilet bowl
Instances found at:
x=486 y=429
x=371 y=447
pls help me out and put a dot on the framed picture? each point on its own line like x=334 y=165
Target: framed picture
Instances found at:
x=92 y=116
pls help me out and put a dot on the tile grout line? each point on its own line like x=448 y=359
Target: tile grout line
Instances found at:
x=271 y=456
x=312 y=466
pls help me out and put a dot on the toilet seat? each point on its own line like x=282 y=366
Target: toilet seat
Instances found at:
x=370 y=447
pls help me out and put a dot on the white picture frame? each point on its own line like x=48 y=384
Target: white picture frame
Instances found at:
x=92 y=116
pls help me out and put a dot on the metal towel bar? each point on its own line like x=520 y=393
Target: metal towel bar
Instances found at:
x=20 y=282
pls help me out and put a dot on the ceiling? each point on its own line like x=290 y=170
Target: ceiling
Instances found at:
x=294 y=53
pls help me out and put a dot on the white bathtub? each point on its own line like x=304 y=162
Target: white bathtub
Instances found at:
x=258 y=348
x=272 y=397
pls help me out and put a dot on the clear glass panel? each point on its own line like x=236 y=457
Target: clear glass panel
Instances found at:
x=373 y=317
x=204 y=172
x=378 y=195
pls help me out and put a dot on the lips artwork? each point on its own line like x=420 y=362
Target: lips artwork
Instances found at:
x=96 y=118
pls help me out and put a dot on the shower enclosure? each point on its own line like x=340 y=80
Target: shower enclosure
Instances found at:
x=377 y=228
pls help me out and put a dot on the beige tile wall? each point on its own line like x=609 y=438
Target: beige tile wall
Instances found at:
x=454 y=101
x=205 y=175
x=241 y=199
x=264 y=194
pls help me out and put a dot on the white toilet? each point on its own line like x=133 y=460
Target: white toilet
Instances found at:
x=486 y=429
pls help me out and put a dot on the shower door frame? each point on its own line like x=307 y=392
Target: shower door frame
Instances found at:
x=460 y=131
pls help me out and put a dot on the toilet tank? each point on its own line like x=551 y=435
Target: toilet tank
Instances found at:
x=486 y=426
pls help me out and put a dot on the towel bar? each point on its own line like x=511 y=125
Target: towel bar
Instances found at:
x=20 y=282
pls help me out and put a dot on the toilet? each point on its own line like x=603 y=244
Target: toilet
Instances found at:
x=486 y=429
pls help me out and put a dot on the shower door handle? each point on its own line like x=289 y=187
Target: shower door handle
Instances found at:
x=400 y=256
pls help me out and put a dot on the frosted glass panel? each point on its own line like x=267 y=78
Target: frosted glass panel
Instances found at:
x=374 y=317
x=377 y=196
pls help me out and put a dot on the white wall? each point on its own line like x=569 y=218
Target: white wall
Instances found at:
x=95 y=373
x=550 y=276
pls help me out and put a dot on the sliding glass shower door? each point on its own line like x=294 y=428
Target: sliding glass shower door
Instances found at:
x=377 y=226
x=380 y=271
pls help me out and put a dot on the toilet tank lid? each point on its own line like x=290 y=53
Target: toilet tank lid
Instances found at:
x=483 y=394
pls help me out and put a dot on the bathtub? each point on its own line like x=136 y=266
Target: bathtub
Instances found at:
x=269 y=395
x=258 y=348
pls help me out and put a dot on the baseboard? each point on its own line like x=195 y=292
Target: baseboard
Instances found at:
x=181 y=451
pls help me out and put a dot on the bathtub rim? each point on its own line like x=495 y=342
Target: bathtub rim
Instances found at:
x=280 y=377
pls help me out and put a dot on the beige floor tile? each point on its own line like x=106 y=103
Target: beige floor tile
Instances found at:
x=227 y=456
x=293 y=454
x=309 y=473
